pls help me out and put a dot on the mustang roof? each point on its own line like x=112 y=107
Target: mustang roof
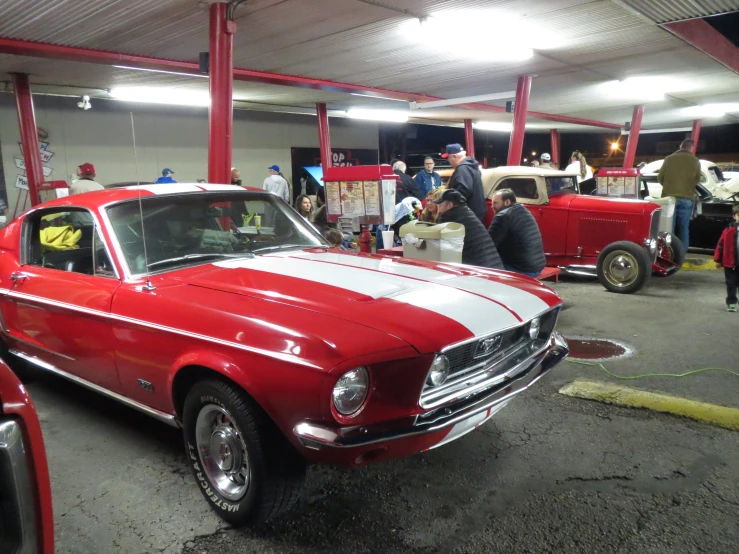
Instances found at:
x=99 y=198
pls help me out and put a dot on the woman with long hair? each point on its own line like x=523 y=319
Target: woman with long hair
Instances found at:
x=304 y=206
x=579 y=165
x=430 y=213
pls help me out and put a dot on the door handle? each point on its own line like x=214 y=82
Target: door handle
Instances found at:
x=18 y=276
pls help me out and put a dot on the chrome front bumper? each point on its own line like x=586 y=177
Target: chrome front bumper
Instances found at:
x=17 y=501
x=316 y=437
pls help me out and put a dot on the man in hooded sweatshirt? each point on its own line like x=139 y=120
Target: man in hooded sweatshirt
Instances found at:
x=277 y=184
x=466 y=179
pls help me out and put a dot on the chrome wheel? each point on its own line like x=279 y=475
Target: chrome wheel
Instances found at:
x=222 y=451
x=621 y=269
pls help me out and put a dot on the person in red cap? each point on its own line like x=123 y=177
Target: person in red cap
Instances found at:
x=86 y=181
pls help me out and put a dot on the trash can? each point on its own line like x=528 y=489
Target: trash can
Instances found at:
x=442 y=242
x=668 y=212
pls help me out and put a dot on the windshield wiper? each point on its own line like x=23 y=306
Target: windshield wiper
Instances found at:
x=280 y=247
x=199 y=257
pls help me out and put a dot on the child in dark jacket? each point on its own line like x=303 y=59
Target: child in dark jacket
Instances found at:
x=727 y=256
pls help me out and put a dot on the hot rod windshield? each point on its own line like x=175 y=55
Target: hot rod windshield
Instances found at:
x=567 y=184
x=189 y=229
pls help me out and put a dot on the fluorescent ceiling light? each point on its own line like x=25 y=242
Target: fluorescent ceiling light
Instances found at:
x=159 y=95
x=645 y=89
x=502 y=126
x=161 y=71
x=484 y=35
x=393 y=116
x=712 y=110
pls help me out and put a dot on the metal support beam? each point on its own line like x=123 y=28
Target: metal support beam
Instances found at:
x=554 y=138
x=86 y=55
x=699 y=34
x=324 y=138
x=29 y=136
x=696 y=134
x=515 y=147
x=469 y=138
x=630 y=153
x=220 y=114
x=464 y=100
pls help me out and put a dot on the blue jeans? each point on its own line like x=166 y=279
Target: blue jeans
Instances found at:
x=681 y=222
x=514 y=270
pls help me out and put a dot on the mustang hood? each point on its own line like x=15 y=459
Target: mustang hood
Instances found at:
x=426 y=304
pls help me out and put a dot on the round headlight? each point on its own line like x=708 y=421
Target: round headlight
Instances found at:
x=652 y=245
x=534 y=328
x=439 y=371
x=668 y=239
x=350 y=391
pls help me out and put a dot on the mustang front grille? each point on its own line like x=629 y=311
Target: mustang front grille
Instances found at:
x=472 y=370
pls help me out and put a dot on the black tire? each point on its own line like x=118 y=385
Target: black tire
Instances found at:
x=274 y=470
x=676 y=253
x=623 y=267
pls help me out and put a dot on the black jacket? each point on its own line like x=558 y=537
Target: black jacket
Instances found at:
x=320 y=220
x=406 y=187
x=467 y=179
x=518 y=240
x=478 y=247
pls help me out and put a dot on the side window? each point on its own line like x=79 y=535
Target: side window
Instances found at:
x=66 y=241
x=523 y=188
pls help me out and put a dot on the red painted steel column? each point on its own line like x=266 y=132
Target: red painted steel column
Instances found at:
x=696 y=134
x=515 y=148
x=220 y=123
x=469 y=138
x=554 y=137
x=630 y=153
x=324 y=137
x=29 y=136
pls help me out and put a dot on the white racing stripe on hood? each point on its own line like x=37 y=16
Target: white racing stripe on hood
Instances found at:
x=525 y=304
x=474 y=313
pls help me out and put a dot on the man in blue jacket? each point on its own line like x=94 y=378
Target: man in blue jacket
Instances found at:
x=427 y=179
x=166 y=177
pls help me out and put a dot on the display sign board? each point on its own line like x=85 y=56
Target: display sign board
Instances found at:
x=617 y=183
x=363 y=193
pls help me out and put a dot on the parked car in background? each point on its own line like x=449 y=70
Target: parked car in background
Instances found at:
x=711 y=176
x=712 y=213
x=613 y=239
x=26 y=518
x=221 y=310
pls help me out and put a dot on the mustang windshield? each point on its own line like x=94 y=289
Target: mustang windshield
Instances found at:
x=191 y=229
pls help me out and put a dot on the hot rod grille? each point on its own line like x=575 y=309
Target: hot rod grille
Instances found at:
x=654 y=230
x=597 y=232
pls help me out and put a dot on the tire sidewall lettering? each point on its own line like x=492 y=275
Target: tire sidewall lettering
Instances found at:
x=200 y=475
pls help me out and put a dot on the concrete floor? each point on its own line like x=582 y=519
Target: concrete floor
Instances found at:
x=548 y=474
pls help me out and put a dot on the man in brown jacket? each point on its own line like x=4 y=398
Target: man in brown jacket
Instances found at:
x=679 y=177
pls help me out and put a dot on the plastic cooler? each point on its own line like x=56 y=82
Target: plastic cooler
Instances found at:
x=668 y=212
x=442 y=242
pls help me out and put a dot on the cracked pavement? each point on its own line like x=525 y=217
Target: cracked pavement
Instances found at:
x=548 y=474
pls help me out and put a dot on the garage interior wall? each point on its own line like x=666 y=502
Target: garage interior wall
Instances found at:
x=165 y=137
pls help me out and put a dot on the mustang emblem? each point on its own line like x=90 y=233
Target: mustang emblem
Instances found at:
x=487 y=346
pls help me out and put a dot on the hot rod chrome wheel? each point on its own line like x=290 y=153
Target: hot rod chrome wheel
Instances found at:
x=222 y=451
x=623 y=267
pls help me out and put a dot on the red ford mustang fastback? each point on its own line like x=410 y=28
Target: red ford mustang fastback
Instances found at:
x=220 y=310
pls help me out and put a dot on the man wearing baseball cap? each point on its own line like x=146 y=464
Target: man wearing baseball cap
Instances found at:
x=277 y=184
x=546 y=161
x=166 y=177
x=466 y=179
x=479 y=249
x=86 y=181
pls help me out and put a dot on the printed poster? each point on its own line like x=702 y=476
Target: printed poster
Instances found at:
x=615 y=186
x=372 y=198
x=333 y=198
x=352 y=199
x=630 y=186
x=602 y=186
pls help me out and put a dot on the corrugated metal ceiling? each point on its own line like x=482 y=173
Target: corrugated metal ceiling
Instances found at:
x=668 y=11
x=356 y=42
